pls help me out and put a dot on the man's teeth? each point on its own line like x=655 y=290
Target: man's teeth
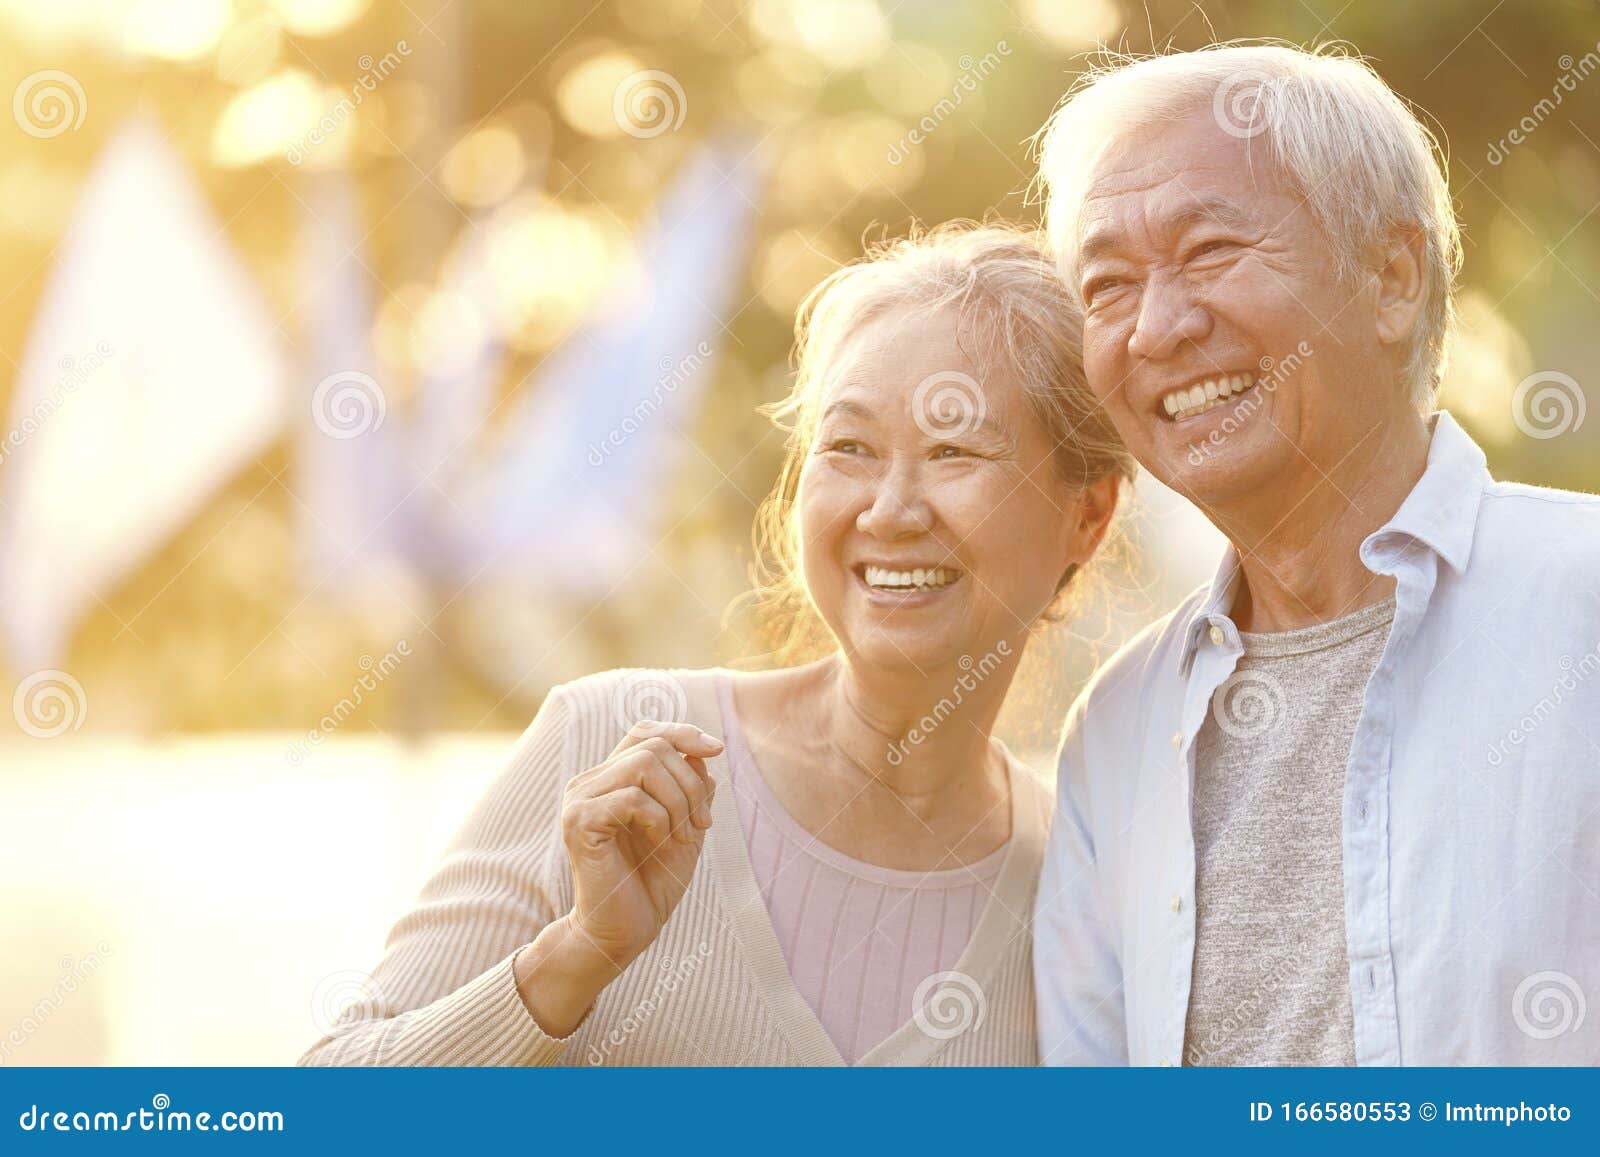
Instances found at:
x=1207 y=395
x=877 y=576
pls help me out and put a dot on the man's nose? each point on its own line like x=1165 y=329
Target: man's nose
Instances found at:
x=1168 y=317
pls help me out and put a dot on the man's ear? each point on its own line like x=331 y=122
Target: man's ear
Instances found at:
x=1402 y=285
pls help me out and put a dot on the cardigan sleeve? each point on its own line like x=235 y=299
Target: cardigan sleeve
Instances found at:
x=444 y=992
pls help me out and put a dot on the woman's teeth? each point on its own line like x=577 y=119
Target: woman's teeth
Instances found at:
x=1208 y=395
x=877 y=576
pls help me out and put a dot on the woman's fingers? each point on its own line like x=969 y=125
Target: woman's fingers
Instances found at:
x=686 y=738
x=657 y=769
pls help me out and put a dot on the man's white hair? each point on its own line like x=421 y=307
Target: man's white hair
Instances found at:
x=1365 y=163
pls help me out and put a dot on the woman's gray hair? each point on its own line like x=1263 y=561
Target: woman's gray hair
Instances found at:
x=1364 y=161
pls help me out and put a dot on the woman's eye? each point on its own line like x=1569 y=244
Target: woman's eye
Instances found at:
x=845 y=446
x=1099 y=285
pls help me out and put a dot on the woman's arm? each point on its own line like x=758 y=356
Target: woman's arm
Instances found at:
x=446 y=991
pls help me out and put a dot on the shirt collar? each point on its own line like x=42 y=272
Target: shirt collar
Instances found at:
x=1441 y=512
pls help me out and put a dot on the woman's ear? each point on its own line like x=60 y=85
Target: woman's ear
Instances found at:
x=1097 y=502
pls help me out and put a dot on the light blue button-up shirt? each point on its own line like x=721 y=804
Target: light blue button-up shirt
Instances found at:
x=1471 y=815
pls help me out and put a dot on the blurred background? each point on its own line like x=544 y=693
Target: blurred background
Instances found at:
x=367 y=367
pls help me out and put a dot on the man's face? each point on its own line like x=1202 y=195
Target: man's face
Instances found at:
x=1233 y=362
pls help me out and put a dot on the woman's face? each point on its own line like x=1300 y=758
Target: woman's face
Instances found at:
x=932 y=521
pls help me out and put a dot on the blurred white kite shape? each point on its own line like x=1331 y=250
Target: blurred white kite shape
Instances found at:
x=153 y=373
x=578 y=496
x=349 y=452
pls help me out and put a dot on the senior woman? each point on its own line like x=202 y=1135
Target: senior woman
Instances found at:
x=831 y=863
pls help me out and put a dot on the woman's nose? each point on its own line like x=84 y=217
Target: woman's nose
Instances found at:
x=899 y=507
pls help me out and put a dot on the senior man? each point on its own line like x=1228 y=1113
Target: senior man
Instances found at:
x=1343 y=806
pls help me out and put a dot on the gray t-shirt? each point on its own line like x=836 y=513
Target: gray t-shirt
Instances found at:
x=1271 y=981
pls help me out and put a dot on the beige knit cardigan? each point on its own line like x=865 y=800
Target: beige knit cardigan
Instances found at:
x=713 y=989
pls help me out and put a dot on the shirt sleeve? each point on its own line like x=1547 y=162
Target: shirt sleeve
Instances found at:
x=1076 y=968
x=444 y=992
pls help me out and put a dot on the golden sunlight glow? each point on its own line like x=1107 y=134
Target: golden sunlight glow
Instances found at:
x=174 y=29
x=318 y=17
x=249 y=50
x=841 y=33
x=586 y=94
x=1488 y=357
x=270 y=119
x=484 y=167
x=549 y=264
x=1078 y=25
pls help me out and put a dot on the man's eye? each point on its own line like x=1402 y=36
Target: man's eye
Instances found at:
x=1205 y=248
x=950 y=452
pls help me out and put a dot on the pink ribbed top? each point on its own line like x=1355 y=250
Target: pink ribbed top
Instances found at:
x=858 y=938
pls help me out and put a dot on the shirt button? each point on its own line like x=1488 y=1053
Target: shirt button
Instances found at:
x=1177 y=903
x=1216 y=636
x=1166 y=1064
x=1177 y=739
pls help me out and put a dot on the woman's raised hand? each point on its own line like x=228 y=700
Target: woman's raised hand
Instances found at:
x=633 y=827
